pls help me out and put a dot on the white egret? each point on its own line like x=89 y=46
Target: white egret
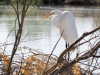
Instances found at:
x=65 y=22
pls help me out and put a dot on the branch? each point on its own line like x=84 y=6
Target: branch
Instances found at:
x=96 y=56
x=70 y=47
x=28 y=5
x=52 y=52
x=12 y=6
x=16 y=10
x=84 y=56
x=60 y=59
x=6 y=41
x=19 y=33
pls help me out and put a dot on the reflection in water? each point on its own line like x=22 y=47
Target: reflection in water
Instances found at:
x=42 y=34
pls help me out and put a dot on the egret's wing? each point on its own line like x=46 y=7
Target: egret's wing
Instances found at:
x=69 y=26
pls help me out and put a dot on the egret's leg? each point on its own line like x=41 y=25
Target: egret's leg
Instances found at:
x=67 y=45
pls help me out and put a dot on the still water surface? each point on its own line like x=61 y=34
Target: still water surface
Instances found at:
x=42 y=34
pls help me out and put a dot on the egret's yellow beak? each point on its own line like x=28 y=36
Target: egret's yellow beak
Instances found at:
x=48 y=15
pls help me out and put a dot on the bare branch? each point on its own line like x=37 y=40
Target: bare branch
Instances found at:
x=70 y=47
x=53 y=51
x=84 y=56
x=28 y=5
x=18 y=36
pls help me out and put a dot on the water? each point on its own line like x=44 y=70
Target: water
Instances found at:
x=38 y=34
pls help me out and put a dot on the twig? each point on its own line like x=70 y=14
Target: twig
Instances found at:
x=6 y=40
x=53 y=51
x=24 y=37
x=28 y=5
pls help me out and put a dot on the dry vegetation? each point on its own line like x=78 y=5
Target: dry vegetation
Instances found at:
x=23 y=64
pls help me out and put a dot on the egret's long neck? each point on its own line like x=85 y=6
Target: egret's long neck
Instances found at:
x=58 y=17
x=56 y=20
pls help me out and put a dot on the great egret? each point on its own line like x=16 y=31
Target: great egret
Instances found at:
x=65 y=22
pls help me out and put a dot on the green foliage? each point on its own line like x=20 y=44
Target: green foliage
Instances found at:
x=34 y=2
x=38 y=2
x=95 y=1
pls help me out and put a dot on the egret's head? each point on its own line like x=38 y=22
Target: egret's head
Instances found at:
x=54 y=12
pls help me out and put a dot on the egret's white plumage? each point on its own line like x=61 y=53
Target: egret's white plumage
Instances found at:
x=65 y=21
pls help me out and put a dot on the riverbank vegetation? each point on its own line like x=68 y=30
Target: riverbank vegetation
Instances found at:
x=57 y=2
x=35 y=62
